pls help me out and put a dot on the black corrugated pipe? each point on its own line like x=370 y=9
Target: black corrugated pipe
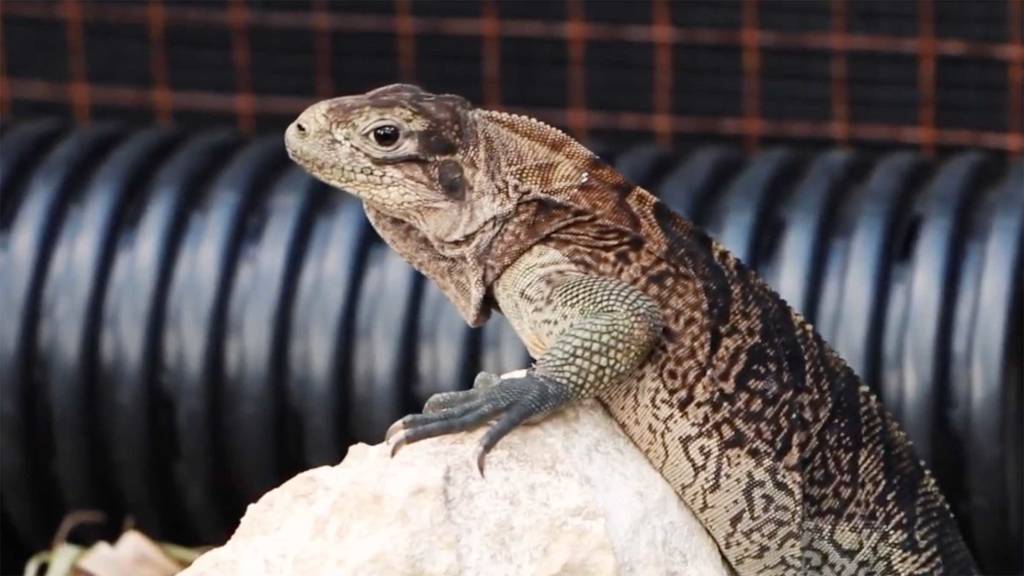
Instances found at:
x=190 y=319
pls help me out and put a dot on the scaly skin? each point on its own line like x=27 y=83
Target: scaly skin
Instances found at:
x=789 y=461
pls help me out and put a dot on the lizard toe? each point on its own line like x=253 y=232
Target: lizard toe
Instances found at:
x=418 y=427
x=447 y=400
x=532 y=398
x=485 y=380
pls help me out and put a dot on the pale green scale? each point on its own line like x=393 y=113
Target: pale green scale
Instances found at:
x=588 y=332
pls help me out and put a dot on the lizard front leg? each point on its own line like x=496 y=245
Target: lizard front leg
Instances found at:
x=600 y=330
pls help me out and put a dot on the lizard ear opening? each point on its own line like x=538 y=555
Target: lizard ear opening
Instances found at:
x=451 y=180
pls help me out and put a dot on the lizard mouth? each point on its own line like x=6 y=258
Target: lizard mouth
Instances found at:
x=309 y=164
x=299 y=152
x=333 y=172
x=334 y=175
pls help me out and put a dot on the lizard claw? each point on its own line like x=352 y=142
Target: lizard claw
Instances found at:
x=395 y=428
x=517 y=399
x=397 y=445
x=480 y=457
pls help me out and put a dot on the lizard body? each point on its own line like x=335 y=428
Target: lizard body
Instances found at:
x=791 y=464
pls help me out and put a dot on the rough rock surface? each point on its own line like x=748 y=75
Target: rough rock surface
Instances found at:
x=569 y=496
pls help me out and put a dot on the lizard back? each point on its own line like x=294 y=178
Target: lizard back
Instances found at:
x=787 y=457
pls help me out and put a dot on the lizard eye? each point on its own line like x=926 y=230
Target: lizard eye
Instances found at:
x=386 y=136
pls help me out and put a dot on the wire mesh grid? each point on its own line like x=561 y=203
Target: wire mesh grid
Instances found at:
x=920 y=73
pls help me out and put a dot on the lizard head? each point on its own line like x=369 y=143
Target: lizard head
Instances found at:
x=439 y=179
x=406 y=153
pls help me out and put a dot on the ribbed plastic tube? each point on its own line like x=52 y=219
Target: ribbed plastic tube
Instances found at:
x=189 y=319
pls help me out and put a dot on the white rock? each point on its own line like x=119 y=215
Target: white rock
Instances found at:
x=569 y=496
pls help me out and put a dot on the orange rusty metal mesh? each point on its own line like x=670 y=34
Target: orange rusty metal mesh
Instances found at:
x=407 y=28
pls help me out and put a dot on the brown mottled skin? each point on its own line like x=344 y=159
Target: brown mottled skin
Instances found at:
x=789 y=461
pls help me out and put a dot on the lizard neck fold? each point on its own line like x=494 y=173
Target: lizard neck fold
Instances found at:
x=460 y=277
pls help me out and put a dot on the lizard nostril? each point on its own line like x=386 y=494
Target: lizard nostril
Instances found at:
x=300 y=128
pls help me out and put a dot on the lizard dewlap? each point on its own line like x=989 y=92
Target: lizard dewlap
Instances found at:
x=788 y=460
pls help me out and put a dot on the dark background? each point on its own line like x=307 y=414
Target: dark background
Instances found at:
x=934 y=75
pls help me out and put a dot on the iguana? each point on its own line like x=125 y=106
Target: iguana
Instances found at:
x=789 y=461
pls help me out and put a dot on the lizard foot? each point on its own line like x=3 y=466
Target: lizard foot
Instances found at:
x=524 y=396
x=445 y=400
